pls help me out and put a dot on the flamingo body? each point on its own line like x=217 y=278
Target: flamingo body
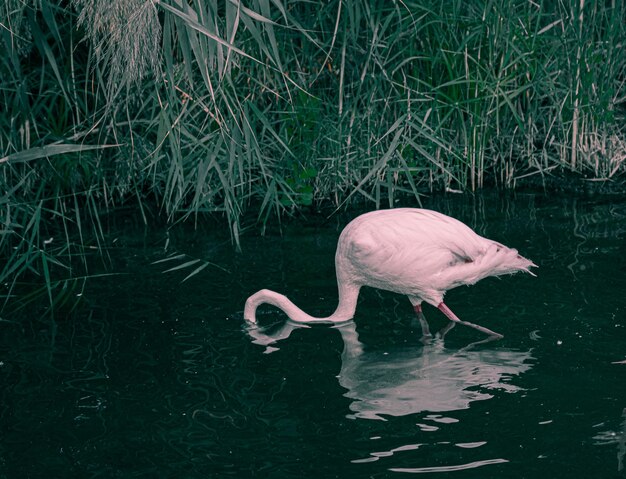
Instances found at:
x=415 y=252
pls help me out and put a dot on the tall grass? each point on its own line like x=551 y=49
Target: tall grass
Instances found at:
x=188 y=107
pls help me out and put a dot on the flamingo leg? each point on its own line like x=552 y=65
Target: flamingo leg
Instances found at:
x=442 y=333
x=453 y=317
x=423 y=323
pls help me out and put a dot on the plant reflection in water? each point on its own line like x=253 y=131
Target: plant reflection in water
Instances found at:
x=615 y=437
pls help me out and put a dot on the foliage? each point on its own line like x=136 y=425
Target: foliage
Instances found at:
x=187 y=107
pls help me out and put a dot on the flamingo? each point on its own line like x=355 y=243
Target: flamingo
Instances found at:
x=415 y=252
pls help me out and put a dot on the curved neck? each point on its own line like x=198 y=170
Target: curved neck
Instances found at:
x=348 y=295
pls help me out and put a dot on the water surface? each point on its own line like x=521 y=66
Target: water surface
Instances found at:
x=154 y=377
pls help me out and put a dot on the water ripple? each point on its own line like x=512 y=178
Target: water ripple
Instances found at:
x=459 y=467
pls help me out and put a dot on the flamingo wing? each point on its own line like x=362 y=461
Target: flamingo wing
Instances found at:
x=420 y=253
x=409 y=251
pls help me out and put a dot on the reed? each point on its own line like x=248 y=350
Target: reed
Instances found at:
x=183 y=108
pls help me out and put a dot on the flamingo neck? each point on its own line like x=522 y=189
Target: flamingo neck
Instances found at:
x=348 y=295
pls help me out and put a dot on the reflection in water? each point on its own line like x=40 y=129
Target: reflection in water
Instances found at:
x=454 y=468
x=410 y=380
x=265 y=337
x=613 y=437
x=621 y=448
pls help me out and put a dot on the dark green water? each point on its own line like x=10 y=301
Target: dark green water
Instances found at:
x=151 y=377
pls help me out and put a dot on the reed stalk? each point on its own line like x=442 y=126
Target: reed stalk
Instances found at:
x=183 y=108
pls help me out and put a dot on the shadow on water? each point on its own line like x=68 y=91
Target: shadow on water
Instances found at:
x=154 y=377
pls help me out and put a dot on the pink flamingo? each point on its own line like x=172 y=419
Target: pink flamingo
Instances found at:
x=416 y=252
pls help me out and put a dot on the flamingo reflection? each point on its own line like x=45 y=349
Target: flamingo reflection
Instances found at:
x=411 y=380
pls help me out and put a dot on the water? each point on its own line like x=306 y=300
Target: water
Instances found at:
x=151 y=377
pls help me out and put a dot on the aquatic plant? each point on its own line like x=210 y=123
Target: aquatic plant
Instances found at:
x=182 y=108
